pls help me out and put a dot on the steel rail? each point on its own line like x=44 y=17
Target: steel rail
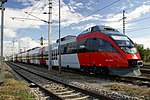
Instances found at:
x=90 y=93
x=133 y=80
x=30 y=81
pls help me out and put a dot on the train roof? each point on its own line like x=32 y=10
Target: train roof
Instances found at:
x=100 y=28
x=68 y=37
x=33 y=48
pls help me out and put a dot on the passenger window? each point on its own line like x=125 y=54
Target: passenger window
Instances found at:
x=72 y=47
x=63 y=49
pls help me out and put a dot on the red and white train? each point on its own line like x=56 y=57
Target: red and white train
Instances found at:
x=97 y=49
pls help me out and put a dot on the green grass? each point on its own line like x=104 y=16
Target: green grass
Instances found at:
x=12 y=89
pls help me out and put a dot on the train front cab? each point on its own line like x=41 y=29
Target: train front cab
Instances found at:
x=108 y=50
x=106 y=55
x=130 y=55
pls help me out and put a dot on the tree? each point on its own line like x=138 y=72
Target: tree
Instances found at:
x=144 y=53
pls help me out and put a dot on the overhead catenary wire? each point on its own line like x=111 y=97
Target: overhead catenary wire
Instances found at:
x=22 y=19
x=34 y=8
x=128 y=22
x=94 y=12
x=138 y=29
x=38 y=18
x=127 y=9
x=87 y=16
x=139 y=20
x=31 y=23
x=132 y=8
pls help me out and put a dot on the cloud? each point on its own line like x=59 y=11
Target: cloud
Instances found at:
x=11 y=26
x=27 y=2
x=7 y=47
x=28 y=43
x=139 y=11
x=91 y=2
x=9 y=33
x=69 y=15
x=84 y=27
x=115 y=20
x=24 y=43
x=74 y=5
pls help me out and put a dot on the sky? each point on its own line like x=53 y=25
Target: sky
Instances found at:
x=23 y=31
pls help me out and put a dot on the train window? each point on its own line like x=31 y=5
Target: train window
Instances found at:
x=91 y=45
x=81 y=46
x=94 y=44
x=72 y=47
x=68 y=48
x=105 y=46
x=63 y=48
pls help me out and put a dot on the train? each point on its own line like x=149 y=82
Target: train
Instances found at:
x=98 y=49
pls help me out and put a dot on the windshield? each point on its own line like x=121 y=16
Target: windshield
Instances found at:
x=122 y=41
x=125 y=44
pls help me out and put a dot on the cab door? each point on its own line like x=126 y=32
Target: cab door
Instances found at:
x=97 y=56
x=83 y=54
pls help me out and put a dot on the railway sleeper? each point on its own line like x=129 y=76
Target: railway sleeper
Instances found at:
x=71 y=95
x=66 y=92
x=61 y=90
x=55 y=88
x=80 y=98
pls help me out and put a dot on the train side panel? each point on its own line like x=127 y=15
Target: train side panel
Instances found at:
x=70 y=61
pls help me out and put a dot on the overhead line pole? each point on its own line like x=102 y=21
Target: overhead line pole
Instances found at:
x=59 y=47
x=2 y=32
x=124 y=21
x=49 y=36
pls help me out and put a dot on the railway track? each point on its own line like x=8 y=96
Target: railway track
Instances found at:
x=58 y=90
x=146 y=66
x=140 y=80
x=145 y=69
x=134 y=80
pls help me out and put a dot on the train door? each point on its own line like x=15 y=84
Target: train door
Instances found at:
x=69 y=56
x=83 y=54
x=108 y=52
x=98 y=54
